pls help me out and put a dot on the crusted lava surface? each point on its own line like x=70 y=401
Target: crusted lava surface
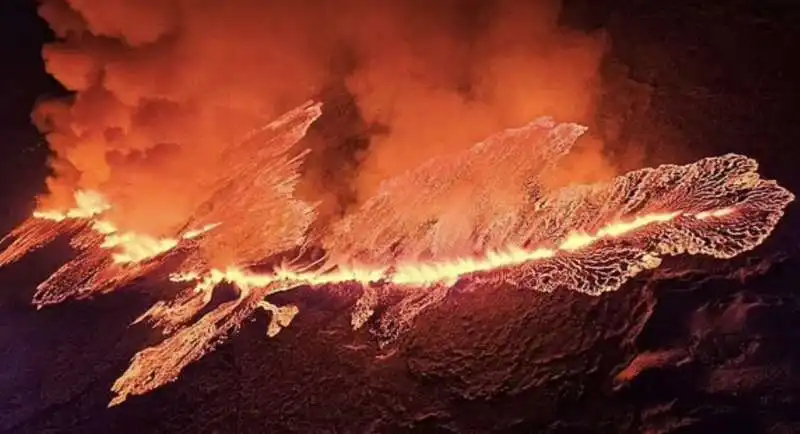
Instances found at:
x=675 y=351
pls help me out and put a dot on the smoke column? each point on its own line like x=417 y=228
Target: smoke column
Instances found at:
x=162 y=86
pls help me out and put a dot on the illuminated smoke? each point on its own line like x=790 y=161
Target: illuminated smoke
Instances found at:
x=161 y=86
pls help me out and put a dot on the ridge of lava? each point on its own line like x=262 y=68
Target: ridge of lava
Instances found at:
x=409 y=239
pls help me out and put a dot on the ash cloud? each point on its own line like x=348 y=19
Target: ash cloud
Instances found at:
x=162 y=86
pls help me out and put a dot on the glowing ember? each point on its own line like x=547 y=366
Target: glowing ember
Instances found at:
x=476 y=217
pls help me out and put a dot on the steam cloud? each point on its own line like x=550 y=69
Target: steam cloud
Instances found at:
x=162 y=86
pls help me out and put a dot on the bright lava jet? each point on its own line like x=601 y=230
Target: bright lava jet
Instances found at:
x=474 y=218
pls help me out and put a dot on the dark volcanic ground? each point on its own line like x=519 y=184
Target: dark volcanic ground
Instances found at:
x=677 y=352
x=707 y=347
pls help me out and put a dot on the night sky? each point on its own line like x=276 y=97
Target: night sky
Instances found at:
x=23 y=82
x=681 y=82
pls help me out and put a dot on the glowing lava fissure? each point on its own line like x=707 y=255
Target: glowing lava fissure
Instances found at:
x=446 y=272
x=456 y=218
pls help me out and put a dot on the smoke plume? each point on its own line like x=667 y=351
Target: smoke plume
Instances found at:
x=162 y=86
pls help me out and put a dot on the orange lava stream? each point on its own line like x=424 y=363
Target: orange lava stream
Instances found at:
x=131 y=247
x=446 y=272
x=449 y=272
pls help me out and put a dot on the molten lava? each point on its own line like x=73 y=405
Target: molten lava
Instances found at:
x=87 y=205
x=435 y=272
x=478 y=217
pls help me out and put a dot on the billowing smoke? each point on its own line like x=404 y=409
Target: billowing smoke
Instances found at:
x=162 y=86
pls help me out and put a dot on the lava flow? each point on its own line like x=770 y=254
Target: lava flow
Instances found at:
x=479 y=217
x=439 y=272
